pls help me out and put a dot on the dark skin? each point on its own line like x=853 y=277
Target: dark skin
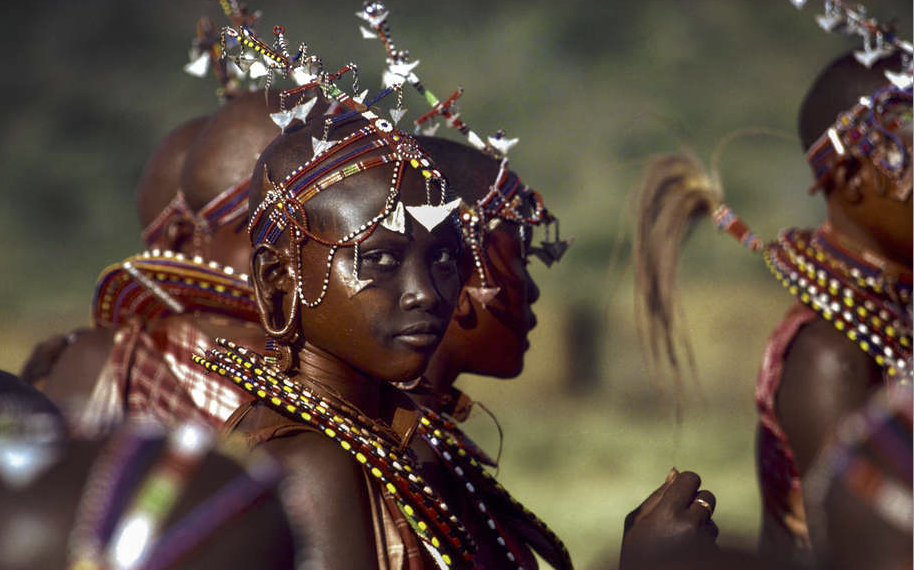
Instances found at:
x=825 y=374
x=202 y=157
x=353 y=346
x=492 y=340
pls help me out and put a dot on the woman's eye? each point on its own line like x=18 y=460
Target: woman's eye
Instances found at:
x=380 y=259
x=445 y=256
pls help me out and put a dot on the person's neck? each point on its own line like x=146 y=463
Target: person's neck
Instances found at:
x=861 y=241
x=343 y=381
x=245 y=333
x=441 y=375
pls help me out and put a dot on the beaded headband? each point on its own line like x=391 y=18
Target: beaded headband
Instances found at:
x=157 y=283
x=867 y=130
x=507 y=196
x=228 y=206
x=333 y=161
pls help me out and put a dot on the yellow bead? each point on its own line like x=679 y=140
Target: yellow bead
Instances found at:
x=329 y=432
x=361 y=458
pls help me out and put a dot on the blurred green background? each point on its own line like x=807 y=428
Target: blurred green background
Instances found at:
x=592 y=88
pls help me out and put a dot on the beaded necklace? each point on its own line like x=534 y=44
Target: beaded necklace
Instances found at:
x=464 y=460
x=854 y=295
x=427 y=514
x=157 y=283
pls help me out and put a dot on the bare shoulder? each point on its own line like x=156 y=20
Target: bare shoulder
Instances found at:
x=70 y=374
x=327 y=497
x=825 y=377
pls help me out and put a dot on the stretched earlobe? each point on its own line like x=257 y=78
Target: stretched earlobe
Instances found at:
x=275 y=290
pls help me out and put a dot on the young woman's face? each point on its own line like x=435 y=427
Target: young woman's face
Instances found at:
x=493 y=340
x=390 y=328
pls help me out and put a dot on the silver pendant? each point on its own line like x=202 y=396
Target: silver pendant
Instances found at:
x=431 y=216
x=483 y=295
x=396 y=219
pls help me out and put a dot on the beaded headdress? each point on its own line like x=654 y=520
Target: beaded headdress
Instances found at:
x=207 y=48
x=868 y=129
x=332 y=161
x=508 y=198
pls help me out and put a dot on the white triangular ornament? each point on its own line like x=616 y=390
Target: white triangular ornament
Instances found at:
x=483 y=295
x=360 y=98
x=320 y=145
x=867 y=57
x=474 y=140
x=829 y=22
x=900 y=80
x=396 y=219
x=430 y=130
x=198 y=67
x=257 y=70
x=403 y=69
x=367 y=34
x=283 y=118
x=502 y=144
x=354 y=285
x=431 y=216
x=397 y=114
x=244 y=63
x=389 y=79
x=300 y=76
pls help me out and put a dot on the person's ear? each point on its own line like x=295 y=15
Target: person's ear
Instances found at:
x=275 y=288
x=848 y=181
x=178 y=235
x=464 y=311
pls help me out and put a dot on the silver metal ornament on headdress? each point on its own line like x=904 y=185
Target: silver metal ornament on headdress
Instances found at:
x=476 y=220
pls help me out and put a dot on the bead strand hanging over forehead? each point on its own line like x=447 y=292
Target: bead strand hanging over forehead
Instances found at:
x=282 y=209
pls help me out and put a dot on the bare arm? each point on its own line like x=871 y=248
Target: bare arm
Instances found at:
x=71 y=376
x=326 y=498
x=825 y=377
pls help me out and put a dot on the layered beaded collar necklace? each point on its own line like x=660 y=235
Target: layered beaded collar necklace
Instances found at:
x=852 y=291
x=159 y=283
x=466 y=462
x=439 y=531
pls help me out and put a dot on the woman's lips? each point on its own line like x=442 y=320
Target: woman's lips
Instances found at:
x=421 y=335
